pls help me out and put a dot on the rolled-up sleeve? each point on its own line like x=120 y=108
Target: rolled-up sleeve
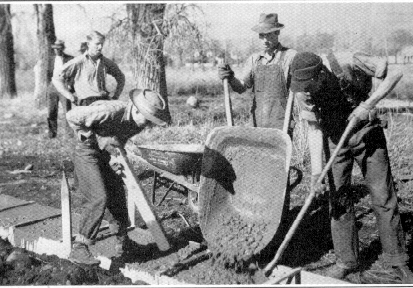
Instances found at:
x=373 y=66
x=307 y=108
x=68 y=71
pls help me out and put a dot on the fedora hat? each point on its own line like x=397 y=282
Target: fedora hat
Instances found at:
x=151 y=105
x=59 y=44
x=268 y=23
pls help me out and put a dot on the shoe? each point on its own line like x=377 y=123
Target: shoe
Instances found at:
x=123 y=245
x=339 y=272
x=51 y=134
x=405 y=274
x=80 y=254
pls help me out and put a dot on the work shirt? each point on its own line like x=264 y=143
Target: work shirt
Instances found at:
x=90 y=75
x=106 y=123
x=247 y=75
x=331 y=106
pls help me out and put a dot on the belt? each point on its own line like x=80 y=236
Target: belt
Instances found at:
x=90 y=100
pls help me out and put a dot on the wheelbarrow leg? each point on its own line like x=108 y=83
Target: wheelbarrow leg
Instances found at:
x=155 y=179
x=166 y=194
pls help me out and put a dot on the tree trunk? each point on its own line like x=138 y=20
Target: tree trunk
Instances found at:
x=7 y=65
x=147 y=46
x=45 y=38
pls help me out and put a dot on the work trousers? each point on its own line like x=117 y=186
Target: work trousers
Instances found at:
x=368 y=148
x=103 y=190
x=53 y=99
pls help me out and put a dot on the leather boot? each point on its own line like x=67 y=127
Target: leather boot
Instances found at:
x=339 y=272
x=405 y=274
x=80 y=254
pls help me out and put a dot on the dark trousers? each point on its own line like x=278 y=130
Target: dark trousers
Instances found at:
x=53 y=99
x=103 y=190
x=368 y=148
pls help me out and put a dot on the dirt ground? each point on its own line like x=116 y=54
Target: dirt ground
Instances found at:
x=311 y=247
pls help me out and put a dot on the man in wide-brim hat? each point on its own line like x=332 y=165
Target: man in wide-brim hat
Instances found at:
x=53 y=95
x=267 y=73
x=100 y=128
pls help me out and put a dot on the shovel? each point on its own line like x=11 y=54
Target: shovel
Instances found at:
x=228 y=106
x=383 y=90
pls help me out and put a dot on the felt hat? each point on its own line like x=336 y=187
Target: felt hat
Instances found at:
x=304 y=70
x=59 y=44
x=267 y=23
x=151 y=105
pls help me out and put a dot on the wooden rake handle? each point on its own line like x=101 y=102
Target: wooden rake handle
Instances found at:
x=228 y=105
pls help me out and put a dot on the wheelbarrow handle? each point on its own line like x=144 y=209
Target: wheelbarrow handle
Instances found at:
x=228 y=106
x=268 y=269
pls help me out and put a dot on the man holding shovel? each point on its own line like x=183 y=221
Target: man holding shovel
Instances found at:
x=267 y=72
x=329 y=101
x=100 y=128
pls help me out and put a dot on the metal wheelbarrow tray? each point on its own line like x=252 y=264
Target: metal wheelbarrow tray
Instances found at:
x=243 y=188
x=176 y=162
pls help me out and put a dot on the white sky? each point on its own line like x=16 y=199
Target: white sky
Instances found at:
x=234 y=20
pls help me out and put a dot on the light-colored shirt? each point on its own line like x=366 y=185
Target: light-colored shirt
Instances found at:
x=58 y=64
x=90 y=76
x=109 y=121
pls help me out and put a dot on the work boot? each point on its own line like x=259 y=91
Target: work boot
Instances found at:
x=339 y=272
x=80 y=254
x=406 y=276
x=123 y=245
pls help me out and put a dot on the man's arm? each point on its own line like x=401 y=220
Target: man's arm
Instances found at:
x=239 y=85
x=113 y=70
x=60 y=80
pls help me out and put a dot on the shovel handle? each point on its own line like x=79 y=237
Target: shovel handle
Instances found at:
x=268 y=269
x=288 y=112
x=228 y=106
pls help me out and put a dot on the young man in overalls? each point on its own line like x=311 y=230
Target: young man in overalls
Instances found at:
x=267 y=73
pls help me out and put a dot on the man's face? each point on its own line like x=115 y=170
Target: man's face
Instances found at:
x=58 y=51
x=95 y=47
x=269 y=40
x=139 y=119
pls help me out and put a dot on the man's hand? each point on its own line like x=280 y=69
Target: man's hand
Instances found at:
x=115 y=165
x=225 y=71
x=363 y=112
x=318 y=188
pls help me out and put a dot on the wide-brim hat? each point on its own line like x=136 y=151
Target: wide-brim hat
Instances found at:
x=151 y=105
x=59 y=44
x=267 y=23
x=305 y=68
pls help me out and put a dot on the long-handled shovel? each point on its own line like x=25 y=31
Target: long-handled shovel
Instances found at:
x=228 y=106
x=383 y=90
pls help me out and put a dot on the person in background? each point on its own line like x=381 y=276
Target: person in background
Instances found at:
x=328 y=101
x=267 y=73
x=53 y=95
x=100 y=128
x=88 y=72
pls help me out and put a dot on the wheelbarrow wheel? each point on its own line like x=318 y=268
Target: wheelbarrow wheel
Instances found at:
x=193 y=201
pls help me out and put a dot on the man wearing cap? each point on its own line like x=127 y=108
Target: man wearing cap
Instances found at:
x=267 y=73
x=328 y=100
x=53 y=95
x=88 y=72
x=100 y=128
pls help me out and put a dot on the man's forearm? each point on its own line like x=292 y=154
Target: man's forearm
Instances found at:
x=237 y=85
x=61 y=87
x=119 y=87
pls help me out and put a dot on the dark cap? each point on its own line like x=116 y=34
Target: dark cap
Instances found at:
x=304 y=70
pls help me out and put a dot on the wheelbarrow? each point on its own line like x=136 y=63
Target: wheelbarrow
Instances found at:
x=238 y=188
